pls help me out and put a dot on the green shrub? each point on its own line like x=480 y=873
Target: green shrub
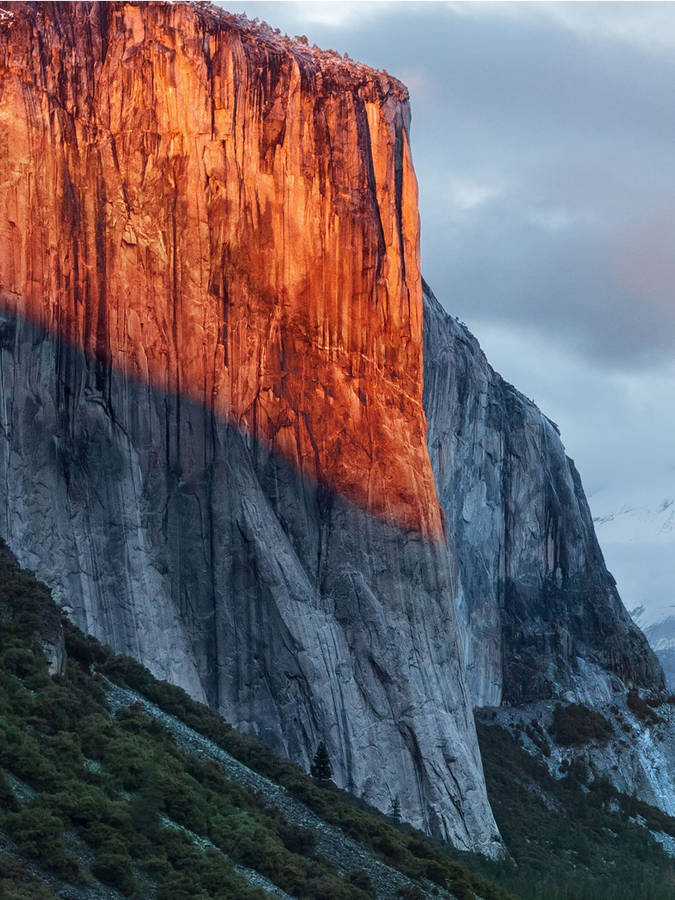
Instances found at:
x=410 y=892
x=297 y=839
x=83 y=648
x=574 y=725
x=182 y=802
x=114 y=868
x=17 y=883
x=40 y=835
x=362 y=881
x=95 y=731
x=24 y=662
x=641 y=709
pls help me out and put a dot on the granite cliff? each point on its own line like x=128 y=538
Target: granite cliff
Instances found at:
x=542 y=616
x=214 y=445
x=211 y=385
x=229 y=217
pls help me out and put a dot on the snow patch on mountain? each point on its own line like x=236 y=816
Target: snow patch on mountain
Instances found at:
x=637 y=535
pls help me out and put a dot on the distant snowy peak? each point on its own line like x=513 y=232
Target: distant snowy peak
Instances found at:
x=661 y=637
x=661 y=634
x=629 y=521
x=638 y=540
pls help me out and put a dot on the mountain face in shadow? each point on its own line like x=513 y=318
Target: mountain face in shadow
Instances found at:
x=541 y=614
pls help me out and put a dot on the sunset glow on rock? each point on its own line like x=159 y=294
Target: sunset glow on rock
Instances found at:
x=248 y=241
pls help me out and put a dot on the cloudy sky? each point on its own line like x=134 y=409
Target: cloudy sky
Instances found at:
x=543 y=138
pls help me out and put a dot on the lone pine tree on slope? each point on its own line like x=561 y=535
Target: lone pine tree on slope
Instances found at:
x=395 y=809
x=321 y=768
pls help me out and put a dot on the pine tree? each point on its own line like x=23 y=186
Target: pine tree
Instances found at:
x=321 y=768
x=395 y=811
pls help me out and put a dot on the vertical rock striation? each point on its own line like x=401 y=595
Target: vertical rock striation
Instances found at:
x=213 y=441
x=230 y=217
x=542 y=617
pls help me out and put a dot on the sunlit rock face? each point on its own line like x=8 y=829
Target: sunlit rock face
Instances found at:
x=542 y=617
x=213 y=443
x=229 y=216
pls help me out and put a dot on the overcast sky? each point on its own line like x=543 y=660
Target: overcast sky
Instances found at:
x=543 y=137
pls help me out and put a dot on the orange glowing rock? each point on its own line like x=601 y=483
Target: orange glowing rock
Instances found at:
x=221 y=212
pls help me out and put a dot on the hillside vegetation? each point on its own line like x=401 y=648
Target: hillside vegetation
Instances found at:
x=112 y=779
x=114 y=784
x=574 y=837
